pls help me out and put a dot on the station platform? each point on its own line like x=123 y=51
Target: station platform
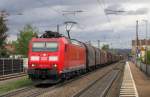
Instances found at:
x=142 y=82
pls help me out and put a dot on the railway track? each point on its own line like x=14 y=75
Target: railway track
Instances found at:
x=99 y=87
x=36 y=91
x=10 y=76
x=12 y=93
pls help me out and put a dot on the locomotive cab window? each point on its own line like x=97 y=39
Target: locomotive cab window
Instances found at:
x=44 y=46
x=52 y=46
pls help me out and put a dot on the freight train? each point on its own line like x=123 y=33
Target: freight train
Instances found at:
x=53 y=57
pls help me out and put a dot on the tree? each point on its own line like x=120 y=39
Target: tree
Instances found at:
x=105 y=47
x=148 y=57
x=26 y=34
x=3 y=36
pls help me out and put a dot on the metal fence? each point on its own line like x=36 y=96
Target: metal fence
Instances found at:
x=143 y=67
x=10 y=66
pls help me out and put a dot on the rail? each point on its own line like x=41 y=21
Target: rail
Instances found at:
x=100 y=87
x=10 y=76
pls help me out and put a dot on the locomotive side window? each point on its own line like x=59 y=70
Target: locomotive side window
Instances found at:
x=44 y=46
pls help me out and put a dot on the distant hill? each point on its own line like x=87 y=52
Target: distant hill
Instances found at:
x=121 y=51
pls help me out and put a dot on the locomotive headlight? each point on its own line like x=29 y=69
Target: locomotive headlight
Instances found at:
x=55 y=65
x=53 y=58
x=33 y=65
x=35 y=58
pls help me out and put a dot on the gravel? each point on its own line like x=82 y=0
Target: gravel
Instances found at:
x=70 y=89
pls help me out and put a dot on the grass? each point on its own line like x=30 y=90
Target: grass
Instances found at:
x=15 y=85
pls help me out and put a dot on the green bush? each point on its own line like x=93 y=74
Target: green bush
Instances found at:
x=139 y=59
x=148 y=57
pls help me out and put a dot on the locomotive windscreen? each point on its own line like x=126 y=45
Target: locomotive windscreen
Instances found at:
x=44 y=46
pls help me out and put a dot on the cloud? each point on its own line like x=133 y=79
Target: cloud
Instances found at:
x=140 y=11
x=126 y=9
x=115 y=7
x=92 y=23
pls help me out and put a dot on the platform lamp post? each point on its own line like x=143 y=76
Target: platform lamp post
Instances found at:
x=146 y=31
x=69 y=25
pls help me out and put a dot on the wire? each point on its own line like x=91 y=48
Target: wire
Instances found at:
x=74 y=18
x=55 y=10
x=102 y=5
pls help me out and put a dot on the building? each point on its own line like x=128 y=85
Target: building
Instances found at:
x=10 y=48
x=140 y=47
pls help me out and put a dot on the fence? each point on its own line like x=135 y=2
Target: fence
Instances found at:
x=9 y=66
x=143 y=67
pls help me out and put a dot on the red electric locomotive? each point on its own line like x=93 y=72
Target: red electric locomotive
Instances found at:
x=50 y=59
x=53 y=57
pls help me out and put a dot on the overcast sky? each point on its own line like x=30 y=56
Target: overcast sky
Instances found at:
x=93 y=23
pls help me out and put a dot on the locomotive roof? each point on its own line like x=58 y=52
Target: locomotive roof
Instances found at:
x=47 y=39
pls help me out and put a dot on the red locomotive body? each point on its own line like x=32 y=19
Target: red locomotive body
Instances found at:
x=52 y=57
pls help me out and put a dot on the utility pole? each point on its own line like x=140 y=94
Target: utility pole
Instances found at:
x=137 y=40
x=57 y=28
x=146 y=40
x=146 y=44
x=89 y=42
x=98 y=43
